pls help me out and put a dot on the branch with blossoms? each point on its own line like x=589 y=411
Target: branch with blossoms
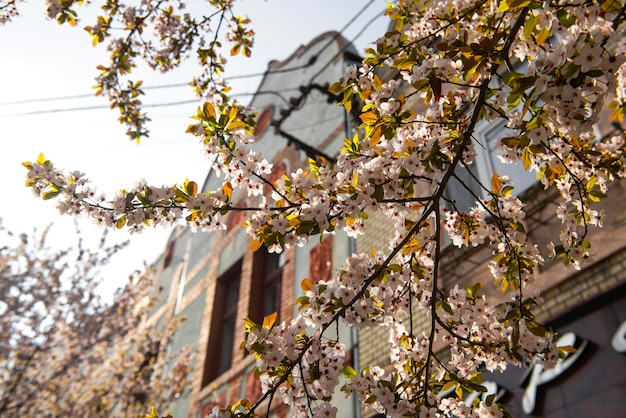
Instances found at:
x=162 y=35
x=63 y=349
x=8 y=10
x=545 y=70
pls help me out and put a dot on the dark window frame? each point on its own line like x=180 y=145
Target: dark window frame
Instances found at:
x=219 y=356
x=267 y=275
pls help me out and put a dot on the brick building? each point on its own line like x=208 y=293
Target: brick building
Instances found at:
x=214 y=279
x=589 y=305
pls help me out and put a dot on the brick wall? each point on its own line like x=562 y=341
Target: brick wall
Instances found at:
x=563 y=289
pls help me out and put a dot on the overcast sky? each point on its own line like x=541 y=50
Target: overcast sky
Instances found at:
x=42 y=60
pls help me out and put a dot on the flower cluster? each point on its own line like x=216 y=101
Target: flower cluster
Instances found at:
x=163 y=37
x=64 y=349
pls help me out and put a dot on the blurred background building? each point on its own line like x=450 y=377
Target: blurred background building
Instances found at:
x=589 y=305
x=214 y=279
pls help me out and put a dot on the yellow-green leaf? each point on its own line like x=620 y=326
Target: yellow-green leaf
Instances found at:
x=249 y=324
x=542 y=36
x=227 y=189
x=255 y=245
x=192 y=188
x=526 y=159
x=50 y=194
x=306 y=285
x=208 y=109
x=153 y=413
x=232 y=114
x=336 y=88
x=269 y=320
x=496 y=183
x=349 y=372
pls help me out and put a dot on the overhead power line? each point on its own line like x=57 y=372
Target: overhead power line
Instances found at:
x=149 y=105
x=87 y=96
x=177 y=85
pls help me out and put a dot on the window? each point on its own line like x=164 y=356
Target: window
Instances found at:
x=224 y=321
x=488 y=162
x=320 y=264
x=267 y=281
x=485 y=164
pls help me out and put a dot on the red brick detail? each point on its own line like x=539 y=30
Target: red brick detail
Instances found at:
x=218 y=400
x=253 y=387
x=277 y=172
x=320 y=264
x=264 y=121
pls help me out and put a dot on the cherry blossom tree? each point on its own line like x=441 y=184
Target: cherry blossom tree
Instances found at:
x=546 y=69
x=63 y=351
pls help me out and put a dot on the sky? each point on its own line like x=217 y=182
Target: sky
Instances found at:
x=47 y=105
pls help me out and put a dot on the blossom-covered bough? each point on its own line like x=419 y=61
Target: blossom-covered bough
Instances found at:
x=548 y=69
x=66 y=352
x=158 y=32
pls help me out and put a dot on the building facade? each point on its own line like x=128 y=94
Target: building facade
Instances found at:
x=215 y=280
x=587 y=307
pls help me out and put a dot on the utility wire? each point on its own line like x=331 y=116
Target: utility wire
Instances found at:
x=176 y=85
x=87 y=96
x=153 y=105
x=343 y=50
x=296 y=102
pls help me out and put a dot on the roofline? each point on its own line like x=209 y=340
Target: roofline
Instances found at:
x=302 y=49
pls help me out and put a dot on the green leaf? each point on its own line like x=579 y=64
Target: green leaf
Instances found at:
x=536 y=328
x=379 y=193
x=337 y=88
x=530 y=24
x=477 y=388
x=349 y=372
x=472 y=292
x=611 y=6
x=564 y=18
x=596 y=196
x=50 y=194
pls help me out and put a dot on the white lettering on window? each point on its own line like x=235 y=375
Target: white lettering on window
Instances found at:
x=492 y=389
x=540 y=376
x=619 y=339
